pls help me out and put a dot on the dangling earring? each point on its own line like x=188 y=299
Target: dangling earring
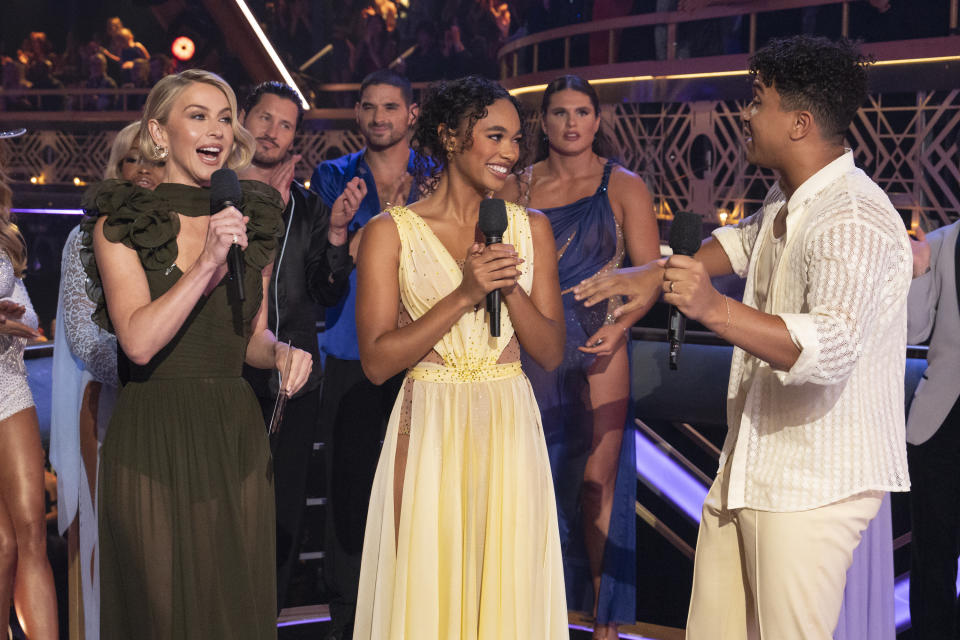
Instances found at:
x=160 y=152
x=451 y=148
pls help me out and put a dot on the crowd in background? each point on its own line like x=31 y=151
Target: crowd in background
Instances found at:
x=113 y=60
x=428 y=40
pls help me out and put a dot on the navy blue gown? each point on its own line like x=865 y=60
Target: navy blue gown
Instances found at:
x=589 y=241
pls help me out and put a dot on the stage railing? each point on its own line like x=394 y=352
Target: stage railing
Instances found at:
x=511 y=54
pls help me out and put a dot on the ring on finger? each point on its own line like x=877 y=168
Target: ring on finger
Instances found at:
x=237 y=239
x=671 y=286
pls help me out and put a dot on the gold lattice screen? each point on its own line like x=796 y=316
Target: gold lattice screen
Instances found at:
x=690 y=154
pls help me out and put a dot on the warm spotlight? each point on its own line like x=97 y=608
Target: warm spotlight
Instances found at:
x=183 y=48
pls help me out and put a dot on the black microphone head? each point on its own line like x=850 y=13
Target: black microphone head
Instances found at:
x=686 y=233
x=493 y=217
x=224 y=188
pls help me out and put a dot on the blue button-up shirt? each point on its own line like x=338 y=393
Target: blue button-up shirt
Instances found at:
x=329 y=180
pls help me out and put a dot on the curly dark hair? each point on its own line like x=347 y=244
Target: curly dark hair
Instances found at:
x=825 y=77
x=602 y=144
x=457 y=105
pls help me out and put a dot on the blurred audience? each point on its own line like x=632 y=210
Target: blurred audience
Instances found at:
x=98 y=79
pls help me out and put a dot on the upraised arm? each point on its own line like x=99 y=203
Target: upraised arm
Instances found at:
x=144 y=326
x=386 y=350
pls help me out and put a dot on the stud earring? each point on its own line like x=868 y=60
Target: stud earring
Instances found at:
x=160 y=152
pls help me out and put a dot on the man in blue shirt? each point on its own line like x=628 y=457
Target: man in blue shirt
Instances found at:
x=354 y=409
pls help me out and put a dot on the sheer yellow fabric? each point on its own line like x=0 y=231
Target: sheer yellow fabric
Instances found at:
x=477 y=554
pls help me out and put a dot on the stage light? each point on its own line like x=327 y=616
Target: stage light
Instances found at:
x=307 y=184
x=183 y=48
x=271 y=52
x=34 y=180
x=77 y=182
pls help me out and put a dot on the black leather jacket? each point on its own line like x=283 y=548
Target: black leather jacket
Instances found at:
x=308 y=272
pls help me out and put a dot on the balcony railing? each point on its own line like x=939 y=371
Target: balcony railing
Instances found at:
x=528 y=49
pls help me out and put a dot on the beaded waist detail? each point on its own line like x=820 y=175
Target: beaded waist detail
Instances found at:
x=431 y=372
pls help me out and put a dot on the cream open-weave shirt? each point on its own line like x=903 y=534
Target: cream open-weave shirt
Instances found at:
x=833 y=425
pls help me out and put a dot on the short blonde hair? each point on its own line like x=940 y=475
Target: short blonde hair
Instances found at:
x=160 y=102
x=125 y=140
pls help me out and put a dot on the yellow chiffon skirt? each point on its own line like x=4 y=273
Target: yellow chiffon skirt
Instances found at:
x=477 y=554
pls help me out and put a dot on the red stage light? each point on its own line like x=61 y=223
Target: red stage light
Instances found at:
x=183 y=48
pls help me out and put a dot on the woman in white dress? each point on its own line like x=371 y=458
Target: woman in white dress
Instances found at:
x=25 y=574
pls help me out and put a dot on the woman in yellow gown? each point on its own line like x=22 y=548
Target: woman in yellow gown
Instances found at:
x=461 y=537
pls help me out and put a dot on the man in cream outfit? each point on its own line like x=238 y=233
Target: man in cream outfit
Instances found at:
x=933 y=432
x=815 y=398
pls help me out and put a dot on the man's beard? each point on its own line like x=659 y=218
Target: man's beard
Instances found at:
x=262 y=160
x=389 y=140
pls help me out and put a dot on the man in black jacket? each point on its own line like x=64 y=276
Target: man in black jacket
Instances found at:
x=311 y=268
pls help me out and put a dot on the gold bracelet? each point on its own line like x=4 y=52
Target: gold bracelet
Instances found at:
x=726 y=301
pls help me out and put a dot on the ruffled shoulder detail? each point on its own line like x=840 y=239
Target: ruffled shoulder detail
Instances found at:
x=135 y=217
x=264 y=206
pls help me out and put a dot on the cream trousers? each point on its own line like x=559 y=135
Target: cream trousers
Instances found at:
x=762 y=575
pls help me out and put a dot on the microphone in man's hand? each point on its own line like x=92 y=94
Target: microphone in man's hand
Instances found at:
x=492 y=223
x=225 y=192
x=686 y=233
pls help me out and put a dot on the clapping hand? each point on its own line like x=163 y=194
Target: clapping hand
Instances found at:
x=282 y=176
x=343 y=210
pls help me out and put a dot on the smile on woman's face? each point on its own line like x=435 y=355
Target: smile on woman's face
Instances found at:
x=570 y=122
x=141 y=172
x=495 y=149
x=198 y=133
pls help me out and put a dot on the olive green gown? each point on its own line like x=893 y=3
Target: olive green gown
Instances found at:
x=186 y=500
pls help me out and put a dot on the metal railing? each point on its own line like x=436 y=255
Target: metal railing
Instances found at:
x=510 y=54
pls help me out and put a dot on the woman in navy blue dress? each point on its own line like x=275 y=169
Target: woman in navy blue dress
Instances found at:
x=602 y=215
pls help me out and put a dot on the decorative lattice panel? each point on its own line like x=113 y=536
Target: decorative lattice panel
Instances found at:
x=690 y=154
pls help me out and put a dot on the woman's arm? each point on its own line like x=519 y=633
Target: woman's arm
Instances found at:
x=538 y=318
x=386 y=350
x=264 y=352
x=641 y=235
x=144 y=326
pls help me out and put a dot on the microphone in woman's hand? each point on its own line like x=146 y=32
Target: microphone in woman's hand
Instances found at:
x=492 y=223
x=225 y=192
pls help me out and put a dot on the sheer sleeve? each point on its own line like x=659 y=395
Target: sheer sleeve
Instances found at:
x=7 y=276
x=852 y=266
x=94 y=346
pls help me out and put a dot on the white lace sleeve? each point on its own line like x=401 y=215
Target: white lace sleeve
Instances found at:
x=852 y=266
x=737 y=241
x=94 y=346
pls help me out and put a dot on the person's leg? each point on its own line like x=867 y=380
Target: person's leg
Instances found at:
x=797 y=564
x=292 y=446
x=609 y=388
x=935 y=524
x=8 y=566
x=22 y=492
x=720 y=601
x=357 y=412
